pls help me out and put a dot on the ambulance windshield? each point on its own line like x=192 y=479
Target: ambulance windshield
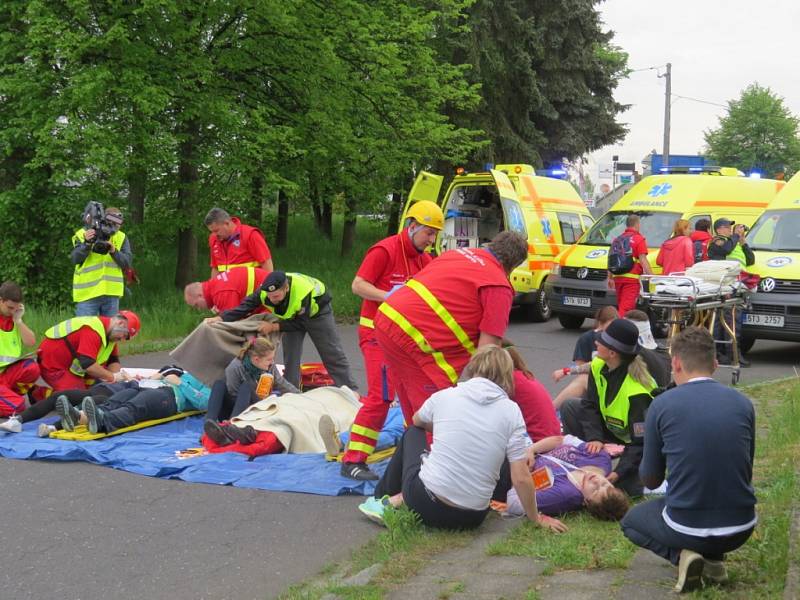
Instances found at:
x=655 y=227
x=776 y=231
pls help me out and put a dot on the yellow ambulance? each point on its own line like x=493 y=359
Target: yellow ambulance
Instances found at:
x=477 y=206
x=577 y=285
x=774 y=313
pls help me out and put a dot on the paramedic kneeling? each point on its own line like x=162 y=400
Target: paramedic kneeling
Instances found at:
x=702 y=434
x=79 y=351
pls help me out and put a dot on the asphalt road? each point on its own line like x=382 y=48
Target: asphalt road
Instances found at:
x=74 y=530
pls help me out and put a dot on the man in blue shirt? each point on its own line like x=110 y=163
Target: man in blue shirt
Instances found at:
x=702 y=434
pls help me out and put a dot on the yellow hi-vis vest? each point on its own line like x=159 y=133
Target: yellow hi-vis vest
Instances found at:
x=10 y=346
x=63 y=329
x=251 y=263
x=98 y=275
x=615 y=413
x=299 y=288
x=738 y=254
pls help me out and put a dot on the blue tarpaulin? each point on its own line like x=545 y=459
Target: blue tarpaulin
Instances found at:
x=152 y=452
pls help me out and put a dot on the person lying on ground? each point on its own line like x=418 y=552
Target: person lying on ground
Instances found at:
x=700 y=435
x=255 y=363
x=614 y=408
x=479 y=452
x=533 y=399
x=579 y=481
x=181 y=392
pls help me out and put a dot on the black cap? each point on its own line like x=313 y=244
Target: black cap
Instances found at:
x=722 y=223
x=621 y=336
x=274 y=281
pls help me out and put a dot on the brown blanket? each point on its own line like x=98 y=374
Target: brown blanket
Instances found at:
x=209 y=348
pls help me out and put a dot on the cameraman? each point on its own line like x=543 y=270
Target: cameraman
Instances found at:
x=101 y=253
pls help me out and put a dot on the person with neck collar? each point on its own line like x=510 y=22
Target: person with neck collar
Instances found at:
x=700 y=436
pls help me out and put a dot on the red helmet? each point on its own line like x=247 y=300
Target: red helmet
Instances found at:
x=134 y=325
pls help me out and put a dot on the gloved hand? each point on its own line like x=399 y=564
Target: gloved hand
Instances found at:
x=396 y=287
x=18 y=313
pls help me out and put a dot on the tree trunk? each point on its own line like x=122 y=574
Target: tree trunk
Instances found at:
x=327 y=218
x=282 y=233
x=394 y=213
x=187 y=207
x=349 y=229
x=316 y=207
x=137 y=187
x=255 y=208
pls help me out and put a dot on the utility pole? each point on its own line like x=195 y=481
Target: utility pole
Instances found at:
x=667 y=106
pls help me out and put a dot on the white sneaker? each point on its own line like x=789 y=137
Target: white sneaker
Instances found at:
x=45 y=430
x=690 y=570
x=12 y=425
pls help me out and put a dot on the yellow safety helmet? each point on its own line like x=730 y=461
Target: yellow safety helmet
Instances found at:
x=426 y=213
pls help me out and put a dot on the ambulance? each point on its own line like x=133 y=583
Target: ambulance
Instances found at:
x=477 y=206
x=774 y=312
x=577 y=286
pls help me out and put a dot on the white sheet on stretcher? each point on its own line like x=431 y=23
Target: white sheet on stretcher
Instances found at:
x=684 y=287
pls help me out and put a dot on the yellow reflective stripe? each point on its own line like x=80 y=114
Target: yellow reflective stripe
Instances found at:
x=420 y=340
x=628 y=275
x=94 y=282
x=365 y=431
x=251 y=280
x=222 y=268
x=366 y=322
x=443 y=314
x=361 y=447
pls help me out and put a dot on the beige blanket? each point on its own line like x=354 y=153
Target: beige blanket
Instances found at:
x=209 y=348
x=294 y=418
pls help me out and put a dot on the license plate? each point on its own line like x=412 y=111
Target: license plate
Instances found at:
x=766 y=320
x=577 y=301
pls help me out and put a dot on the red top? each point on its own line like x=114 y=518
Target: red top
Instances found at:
x=537 y=407
x=676 y=254
x=704 y=237
x=456 y=279
x=246 y=244
x=392 y=261
x=227 y=289
x=55 y=354
x=6 y=323
x=639 y=247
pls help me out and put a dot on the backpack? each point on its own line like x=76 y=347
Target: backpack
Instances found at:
x=698 y=246
x=620 y=256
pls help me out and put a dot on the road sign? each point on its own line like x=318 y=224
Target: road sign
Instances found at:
x=628 y=167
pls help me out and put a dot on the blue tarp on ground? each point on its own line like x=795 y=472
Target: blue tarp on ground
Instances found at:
x=152 y=451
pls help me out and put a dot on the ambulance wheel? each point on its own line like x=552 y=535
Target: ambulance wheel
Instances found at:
x=539 y=310
x=746 y=344
x=570 y=321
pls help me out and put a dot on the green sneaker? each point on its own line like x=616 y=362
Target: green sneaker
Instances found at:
x=373 y=508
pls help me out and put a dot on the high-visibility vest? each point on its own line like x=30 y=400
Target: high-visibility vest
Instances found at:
x=99 y=274
x=737 y=254
x=438 y=309
x=10 y=346
x=615 y=412
x=299 y=287
x=63 y=329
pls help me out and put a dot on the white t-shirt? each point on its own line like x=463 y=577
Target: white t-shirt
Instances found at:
x=475 y=426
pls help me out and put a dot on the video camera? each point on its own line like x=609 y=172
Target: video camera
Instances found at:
x=104 y=226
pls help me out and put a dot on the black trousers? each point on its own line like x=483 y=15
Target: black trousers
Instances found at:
x=644 y=526
x=402 y=475
x=129 y=407
x=99 y=392
x=572 y=416
x=222 y=406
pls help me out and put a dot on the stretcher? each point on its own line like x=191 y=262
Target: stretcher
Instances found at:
x=82 y=434
x=680 y=300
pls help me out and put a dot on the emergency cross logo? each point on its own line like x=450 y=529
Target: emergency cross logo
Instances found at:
x=659 y=189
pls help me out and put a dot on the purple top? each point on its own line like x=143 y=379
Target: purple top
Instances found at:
x=562 y=496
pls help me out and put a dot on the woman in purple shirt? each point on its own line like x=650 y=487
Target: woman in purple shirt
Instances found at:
x=579 y=481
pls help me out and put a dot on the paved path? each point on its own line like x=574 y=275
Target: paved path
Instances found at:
x=80 y=531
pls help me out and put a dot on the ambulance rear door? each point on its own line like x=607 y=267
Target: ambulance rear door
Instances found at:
x=512 y=210
x=426 y=187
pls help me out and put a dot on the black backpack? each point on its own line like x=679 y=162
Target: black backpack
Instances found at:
x=698 y=246
x=620 y=256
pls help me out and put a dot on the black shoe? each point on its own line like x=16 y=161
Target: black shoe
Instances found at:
x=70 y=416
x=743 y=362
x=216 y=433
x=358 y=471
x=244 y=435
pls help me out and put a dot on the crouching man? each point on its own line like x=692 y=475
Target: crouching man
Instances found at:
x=703 y=434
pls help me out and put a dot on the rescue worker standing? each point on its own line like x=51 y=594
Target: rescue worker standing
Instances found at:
x=233 y=244
x=82 y=350
x=627 y=284
x=388 y=264
x=614 y=408
x=99 y=279
x=226 y=290
x=428 y=329
x=17 y=374
x=302 y=305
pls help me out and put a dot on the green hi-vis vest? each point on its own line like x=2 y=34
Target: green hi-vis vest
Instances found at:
x=98 y=275
x=299 y=288
x=63 y=329
x=615 y=413
x=737 y=254
x=10 y=346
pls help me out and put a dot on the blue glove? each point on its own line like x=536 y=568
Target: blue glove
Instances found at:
x=394 y=289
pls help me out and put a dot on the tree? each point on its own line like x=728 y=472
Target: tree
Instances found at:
x=758 y=133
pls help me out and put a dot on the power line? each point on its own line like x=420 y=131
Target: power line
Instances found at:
x=655 y=68
x=700 y=101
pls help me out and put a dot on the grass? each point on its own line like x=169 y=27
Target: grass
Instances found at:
x=165 y=317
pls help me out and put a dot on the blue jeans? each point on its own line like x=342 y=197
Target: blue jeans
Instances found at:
x=102 y=306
